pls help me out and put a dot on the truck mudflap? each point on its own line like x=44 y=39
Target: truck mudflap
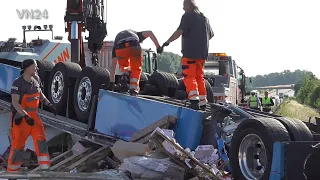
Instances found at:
x=295 y=160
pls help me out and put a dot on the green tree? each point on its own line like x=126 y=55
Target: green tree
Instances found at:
x=309 y=91
x=169 y=62
x=279 y=78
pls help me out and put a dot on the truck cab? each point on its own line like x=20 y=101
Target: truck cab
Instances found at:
x=221 y=71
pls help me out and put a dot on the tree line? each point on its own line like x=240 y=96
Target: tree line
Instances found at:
x=307 y=91
x=279 y=78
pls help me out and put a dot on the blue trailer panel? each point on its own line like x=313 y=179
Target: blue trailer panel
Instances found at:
x=7 y=75
x=124 y=115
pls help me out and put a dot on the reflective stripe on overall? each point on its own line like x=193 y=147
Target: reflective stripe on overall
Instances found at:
x=193 y=73
x=20 y=133
x=130 y=59
x=253 y=102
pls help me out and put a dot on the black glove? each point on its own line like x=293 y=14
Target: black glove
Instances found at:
x=30 y=120
x=165 y=44
x=52 y=109
x=160 y=50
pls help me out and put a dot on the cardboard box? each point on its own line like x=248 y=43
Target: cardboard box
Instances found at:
x=123 y=149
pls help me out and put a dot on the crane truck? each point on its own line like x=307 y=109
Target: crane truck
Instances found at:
x=257 y=145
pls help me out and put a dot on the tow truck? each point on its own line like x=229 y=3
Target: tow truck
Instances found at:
x=260 y=146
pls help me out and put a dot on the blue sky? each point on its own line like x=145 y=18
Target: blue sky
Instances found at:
x=262 y=36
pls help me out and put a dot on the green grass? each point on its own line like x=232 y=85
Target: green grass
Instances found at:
x=294 y=109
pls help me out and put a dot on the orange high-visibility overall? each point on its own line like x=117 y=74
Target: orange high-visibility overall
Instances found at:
x=130 y=57
x=193 y=72
x=20 y=133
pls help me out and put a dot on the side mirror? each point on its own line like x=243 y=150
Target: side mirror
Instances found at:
x=250 y=80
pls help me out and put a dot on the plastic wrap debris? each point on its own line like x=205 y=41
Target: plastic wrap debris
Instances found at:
x=206 y=154
x=170 y=134
x=152 y=168
x=77 y=148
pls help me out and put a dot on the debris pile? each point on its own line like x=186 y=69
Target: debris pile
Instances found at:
x=144 y=161
x=161 y=157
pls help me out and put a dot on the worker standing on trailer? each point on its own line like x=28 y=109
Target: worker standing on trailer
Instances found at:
x=266 y=102
x=254 y=102
x=196 y=33
x=26 y=95
x=128 y=53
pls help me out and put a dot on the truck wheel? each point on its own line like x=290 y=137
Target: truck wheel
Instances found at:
x=210 y=96
x=44 y=69
x=143 y=80
x=298 y=131
x=251 y=148
x=58 y=84
x=90 y=80
x=166 y=83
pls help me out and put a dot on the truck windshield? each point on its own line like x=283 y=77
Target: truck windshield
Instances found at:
x=209 y=71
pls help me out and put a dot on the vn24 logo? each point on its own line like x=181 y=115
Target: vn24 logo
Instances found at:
x=32 y=14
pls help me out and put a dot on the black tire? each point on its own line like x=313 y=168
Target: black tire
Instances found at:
x=68 y=72
x=268 y=130
x=143 y=77
x=97 y=77
x=165 y=82
x=210 y=96
x=298 y=131
x=44 y=69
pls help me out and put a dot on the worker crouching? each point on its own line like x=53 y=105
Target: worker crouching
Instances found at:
x=127 y=52
x=26 y=95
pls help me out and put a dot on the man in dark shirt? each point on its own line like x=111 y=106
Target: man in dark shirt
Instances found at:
x=128 y=53
x=26 y=94
x=196 y=33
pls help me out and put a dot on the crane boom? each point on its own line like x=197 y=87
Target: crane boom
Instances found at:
x=81 y=16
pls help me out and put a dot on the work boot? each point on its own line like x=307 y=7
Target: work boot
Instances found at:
x=124 y=86
x=133 y=92
x=203 y=108
x=194 y=104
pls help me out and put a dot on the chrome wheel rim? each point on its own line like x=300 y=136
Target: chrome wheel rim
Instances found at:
x=84 y=94
x=57 y=86
x=252 y=157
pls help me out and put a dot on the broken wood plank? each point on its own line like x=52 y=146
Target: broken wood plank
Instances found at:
x=55 y=159
x=104 y=150
x=54 y=175
x=58 y=165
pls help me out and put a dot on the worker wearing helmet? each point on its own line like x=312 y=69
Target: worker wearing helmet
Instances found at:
x=26 y=94
x=196 y=33
x=254 y=102
x=128 y=53
x=266 y=102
